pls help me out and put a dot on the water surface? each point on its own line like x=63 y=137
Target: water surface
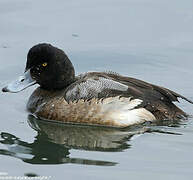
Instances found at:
x=146 y=39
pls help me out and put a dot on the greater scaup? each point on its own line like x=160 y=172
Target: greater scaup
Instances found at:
x=92 y=98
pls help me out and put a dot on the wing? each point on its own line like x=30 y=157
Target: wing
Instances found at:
x=149 y=90
x=102 y=85
x=94 y=87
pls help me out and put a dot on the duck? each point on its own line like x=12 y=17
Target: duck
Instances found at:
x=91 y=98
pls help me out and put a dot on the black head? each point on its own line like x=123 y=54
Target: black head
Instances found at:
x=50 y=67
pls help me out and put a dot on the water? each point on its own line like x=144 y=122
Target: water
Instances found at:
x=146 y=39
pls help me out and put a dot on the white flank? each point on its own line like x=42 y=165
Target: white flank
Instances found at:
x=121 y=111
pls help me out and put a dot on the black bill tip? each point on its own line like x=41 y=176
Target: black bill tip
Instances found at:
x=5 y=89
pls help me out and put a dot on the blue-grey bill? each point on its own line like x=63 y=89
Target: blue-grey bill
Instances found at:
x=20 y=84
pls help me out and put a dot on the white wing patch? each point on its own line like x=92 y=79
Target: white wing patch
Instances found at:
x=91 y=88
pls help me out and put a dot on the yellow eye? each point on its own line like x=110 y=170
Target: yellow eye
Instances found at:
x=44 y=64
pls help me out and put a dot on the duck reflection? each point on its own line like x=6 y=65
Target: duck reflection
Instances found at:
x=54 y=141
x=42 y=151
x=82 y=137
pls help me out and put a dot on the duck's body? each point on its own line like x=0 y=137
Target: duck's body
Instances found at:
x=107 y=99
x=97 y=98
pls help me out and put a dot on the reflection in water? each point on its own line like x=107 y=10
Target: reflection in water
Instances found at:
x=53 y=143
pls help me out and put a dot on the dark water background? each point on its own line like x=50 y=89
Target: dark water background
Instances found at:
x=146 y=39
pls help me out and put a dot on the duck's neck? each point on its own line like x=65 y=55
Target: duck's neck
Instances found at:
x=58 y=85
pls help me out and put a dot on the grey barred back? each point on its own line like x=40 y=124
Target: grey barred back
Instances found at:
x=91 y=88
